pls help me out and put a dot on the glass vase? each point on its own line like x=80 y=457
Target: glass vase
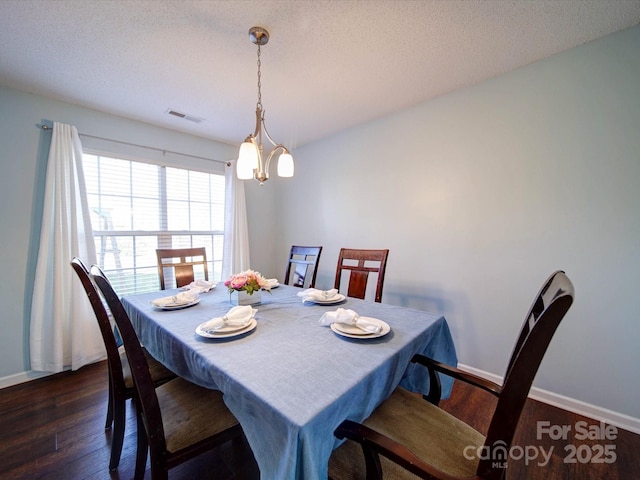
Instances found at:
x=240 y=297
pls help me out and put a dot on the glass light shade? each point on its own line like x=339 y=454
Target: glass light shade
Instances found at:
x=247 y=161
x=285 y=165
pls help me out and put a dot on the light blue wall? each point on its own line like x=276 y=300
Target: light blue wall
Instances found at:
x=482 y=193
x=23 y=159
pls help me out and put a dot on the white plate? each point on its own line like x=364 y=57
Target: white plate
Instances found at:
x=352 y=331
x=337 y=298
x=177 y=306
x=225 y=332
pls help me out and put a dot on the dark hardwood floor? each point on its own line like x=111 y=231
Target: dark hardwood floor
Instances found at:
x=53 y=428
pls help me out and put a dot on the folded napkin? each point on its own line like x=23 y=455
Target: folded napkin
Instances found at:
x=239 y=316
x=200 y=286
x=182 y=298
x=313 y=294
x=348 y=317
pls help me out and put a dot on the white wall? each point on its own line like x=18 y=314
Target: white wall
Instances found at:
x=263 y=221
x=481 y=194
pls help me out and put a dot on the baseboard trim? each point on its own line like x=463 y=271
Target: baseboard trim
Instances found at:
x=579 y=407
x=21 y=377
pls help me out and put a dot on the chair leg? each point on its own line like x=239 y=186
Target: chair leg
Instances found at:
x=158 y=473
x=109 y=420
x=117 y=439
x=142 y=447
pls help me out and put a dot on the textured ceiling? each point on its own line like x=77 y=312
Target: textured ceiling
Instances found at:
x=329 y=65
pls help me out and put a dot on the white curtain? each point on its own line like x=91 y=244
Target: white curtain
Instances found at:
x=64 y=332
x=236 y=233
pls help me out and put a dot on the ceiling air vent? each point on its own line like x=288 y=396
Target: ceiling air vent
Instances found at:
x=186 y=116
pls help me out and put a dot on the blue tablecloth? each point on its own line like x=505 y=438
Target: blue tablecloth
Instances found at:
x=291 y=382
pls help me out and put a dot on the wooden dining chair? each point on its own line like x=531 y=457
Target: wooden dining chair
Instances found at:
x=407 y=437
x=120 y=379
x=183 y=262
x=175 y=421
x=359 y=264
x=304 y=262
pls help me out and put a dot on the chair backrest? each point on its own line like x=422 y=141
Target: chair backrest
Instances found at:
x=360 y=263
x=102 y=316
x=182 y=261
x=145 y=390
x=304 y=261
x=548 y=309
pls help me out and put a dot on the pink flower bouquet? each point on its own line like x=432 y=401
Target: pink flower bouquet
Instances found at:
x=249 y=281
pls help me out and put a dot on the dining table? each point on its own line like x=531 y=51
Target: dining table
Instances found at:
x=289 y=380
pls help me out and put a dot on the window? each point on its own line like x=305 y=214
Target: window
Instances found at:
x=137 y=207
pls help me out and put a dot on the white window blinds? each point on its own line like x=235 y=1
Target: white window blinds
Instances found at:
x=137 y=207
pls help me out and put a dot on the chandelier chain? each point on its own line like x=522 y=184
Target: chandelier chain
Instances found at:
x=259 y=80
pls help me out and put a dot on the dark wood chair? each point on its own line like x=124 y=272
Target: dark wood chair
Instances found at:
x=360 y=263
x=120 y=379
x=408 y=437
x=183 y=262
x=177 y=420
x=304 y=261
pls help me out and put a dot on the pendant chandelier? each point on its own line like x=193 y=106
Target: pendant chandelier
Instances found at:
x=251 y=163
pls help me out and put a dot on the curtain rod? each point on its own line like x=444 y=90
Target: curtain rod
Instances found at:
x=226 y=162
